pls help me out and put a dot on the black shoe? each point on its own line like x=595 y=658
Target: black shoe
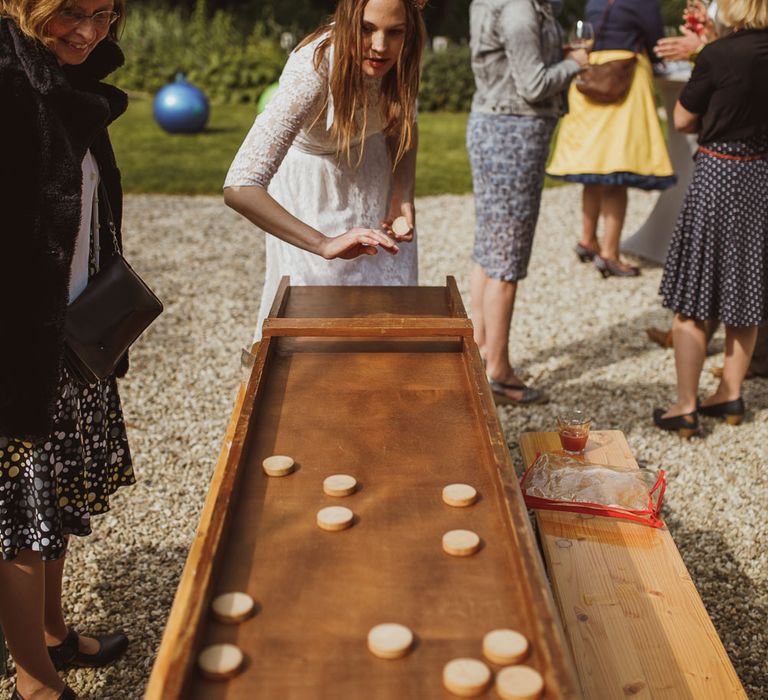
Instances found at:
x=66 y=694
x=67 y=655
x=732 y=411
x=686 y=425
x=612 y=268
x=585 y=254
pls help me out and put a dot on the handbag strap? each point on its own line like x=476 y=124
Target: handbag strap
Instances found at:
x=104 y=197
x=603 y=19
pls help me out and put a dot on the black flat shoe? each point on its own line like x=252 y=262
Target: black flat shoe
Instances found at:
x=68 y=655
x=585 y=254
x=732 y=411
x=686 y=425
x=612 y=268
x=66 y=694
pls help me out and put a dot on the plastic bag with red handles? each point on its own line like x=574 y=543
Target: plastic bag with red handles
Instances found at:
x=561 y=482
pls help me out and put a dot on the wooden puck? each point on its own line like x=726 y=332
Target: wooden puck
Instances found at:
x=232 y=607
x=459 y=495
x=339 y=485
x=461 y=543
x=505 y=646
x=466 y=678
x=400 y=226
x=390 y=640
x=278 y=465
x=519 y=683
x=334 y=518
x=220 y=661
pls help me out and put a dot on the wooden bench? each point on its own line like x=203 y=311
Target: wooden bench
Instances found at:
x=632 y=615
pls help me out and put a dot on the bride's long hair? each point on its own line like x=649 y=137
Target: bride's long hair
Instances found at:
x=399 y=87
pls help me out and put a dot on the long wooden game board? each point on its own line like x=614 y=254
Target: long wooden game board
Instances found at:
x=385 y=384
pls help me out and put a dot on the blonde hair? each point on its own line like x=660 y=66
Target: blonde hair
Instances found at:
x=399 y=87
x=743 y=14
x=33 y=16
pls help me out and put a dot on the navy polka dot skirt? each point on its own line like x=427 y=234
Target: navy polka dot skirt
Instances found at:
x=717 y=262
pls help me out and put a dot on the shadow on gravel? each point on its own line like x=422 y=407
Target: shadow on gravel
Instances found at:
x=734 y=601
x=135 y=591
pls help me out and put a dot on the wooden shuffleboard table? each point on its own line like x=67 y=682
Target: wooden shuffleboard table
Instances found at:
x=384 y=384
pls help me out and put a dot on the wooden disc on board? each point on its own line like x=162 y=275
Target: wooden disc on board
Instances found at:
x=278 y=465
x=519 y=683
x=334 y=518
x=390 y=640
x=232 y=607
x=400 y=226
x=339 y=485
x=220 y=661
x=466 y=678
x=459 y=495
x=505 y=647
x=461 y=543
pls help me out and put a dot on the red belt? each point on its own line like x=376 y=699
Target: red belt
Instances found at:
x=726 y=156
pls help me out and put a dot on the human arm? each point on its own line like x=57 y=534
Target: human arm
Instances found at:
x=255 y=204
x=679 y=48
x=685 y=121
x=521 y=32
x=403 y=187
x=299 y=100
x=696 y=94
x=647 y=16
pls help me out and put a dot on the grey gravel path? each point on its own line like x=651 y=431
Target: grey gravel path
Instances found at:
x=580 y=337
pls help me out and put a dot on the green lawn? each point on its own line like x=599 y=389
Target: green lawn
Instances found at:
x=153 y=161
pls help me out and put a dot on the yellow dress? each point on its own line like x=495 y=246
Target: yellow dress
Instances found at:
x=618 y=144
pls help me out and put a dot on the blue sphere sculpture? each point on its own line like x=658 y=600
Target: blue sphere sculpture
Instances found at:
x=181 y=108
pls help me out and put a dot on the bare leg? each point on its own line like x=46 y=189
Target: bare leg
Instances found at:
x=614 y=209
x=498 y=305
x=690 y=351
x=22 y=602
x=590 y=213
x=476 y=293
x=55 y=626
x=739 y=346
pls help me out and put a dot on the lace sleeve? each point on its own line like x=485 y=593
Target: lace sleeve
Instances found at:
x=297 y=101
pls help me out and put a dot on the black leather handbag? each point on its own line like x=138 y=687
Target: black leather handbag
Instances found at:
x=109 y=315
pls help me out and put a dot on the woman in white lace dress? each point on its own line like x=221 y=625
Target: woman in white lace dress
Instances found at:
x=331 y=162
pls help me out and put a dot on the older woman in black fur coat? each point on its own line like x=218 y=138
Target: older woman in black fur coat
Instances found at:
x=63 y=448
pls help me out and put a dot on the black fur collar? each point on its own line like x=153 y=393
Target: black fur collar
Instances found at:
x=17 y=50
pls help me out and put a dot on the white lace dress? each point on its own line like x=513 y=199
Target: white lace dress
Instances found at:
x=290 y=152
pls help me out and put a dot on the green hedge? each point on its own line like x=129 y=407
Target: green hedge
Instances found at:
x=234 y=64
x=215 y=54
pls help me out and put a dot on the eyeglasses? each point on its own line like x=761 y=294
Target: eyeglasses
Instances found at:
x=101 y=20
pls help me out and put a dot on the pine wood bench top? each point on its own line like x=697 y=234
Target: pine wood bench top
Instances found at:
x=635 y=622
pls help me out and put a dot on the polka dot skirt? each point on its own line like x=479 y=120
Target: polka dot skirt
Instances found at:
x=51 y=489
x=717 y=262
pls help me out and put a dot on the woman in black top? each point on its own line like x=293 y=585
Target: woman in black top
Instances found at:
x=717 y=264
x=63 y=448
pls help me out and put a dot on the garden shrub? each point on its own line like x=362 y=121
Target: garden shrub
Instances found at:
x=231 y=61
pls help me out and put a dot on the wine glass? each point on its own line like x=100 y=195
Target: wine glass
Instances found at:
x=582 y=35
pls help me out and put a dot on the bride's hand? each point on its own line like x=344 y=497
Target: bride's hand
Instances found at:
x=408 y=212
x=356 y=242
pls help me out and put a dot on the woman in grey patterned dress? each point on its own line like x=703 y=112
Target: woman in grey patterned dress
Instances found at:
x=520 y=76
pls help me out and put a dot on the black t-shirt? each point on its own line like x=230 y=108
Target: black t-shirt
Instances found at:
x=729 y=87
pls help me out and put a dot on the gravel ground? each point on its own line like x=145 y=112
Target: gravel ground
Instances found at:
x=580 y=337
